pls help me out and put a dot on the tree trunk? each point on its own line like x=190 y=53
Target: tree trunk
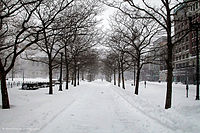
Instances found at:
x=90 y=77
x=169 y=61
x=12 y=73
x=67 y=76
x=122 y=71
x=169 y=79
x=119 y=75
x=4 y=91
x=74 y=75
x=114 y=76
x=134 y=71
x=82 y=74
x=78 y=74
x=137 y=77
x=50 y=78
x=197 y=64
x=72 y=83
x=60 y=87
x=3 y=87
x=67 y=71
x=169 y=89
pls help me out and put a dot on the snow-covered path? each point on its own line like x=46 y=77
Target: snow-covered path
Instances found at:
x=99 y=109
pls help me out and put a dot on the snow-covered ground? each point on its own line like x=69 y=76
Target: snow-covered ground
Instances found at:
x=101 y=107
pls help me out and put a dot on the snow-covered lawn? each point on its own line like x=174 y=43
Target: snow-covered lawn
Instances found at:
x=101 y=107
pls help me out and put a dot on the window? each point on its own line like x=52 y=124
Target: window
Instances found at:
x=186 y=38
x=197 y=5
x=185 y=22
x=183 y=57
x=187 y=55
x=176 y=50
x=177 y=66
x=186 y=47
x=183 y=65
x=177 y=35
x=193 y=44
x=193 y=63
x=187 y=63
x=183 y=48
x=193 y=7
x=193 y=35
x=179 y=49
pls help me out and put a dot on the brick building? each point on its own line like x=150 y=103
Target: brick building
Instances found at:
x=184 y=50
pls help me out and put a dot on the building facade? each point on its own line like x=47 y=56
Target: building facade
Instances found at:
x=28 y=69
x=161 y=43
x=185 y=43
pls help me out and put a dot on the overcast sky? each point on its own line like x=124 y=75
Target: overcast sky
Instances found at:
x=109 y=11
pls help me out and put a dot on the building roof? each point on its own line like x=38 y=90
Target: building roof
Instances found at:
x=181 y=6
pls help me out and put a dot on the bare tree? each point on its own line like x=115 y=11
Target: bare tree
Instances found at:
x=119 y=48
x=16 y=28
x=78 y=32
x=132 y=37
x=110 y=66
x=139 y=36
x=47 y=14
x=89 y=61
x=163 y=15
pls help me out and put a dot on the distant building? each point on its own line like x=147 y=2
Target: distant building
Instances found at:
x=150 y=72
x=184 y=51
x=161 y=44
x=29 y=69
x=153 y=71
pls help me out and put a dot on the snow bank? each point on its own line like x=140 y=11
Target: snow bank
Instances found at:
x=182 y=117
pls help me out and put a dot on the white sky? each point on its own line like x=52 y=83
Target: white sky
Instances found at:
x=109 y=11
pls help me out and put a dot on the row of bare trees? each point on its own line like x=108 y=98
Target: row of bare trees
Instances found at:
x=134 y=27
x=47 y=28
x=130 y=43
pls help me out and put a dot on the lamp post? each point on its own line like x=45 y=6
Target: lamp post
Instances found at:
x=60 y=87
x=195 y=27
